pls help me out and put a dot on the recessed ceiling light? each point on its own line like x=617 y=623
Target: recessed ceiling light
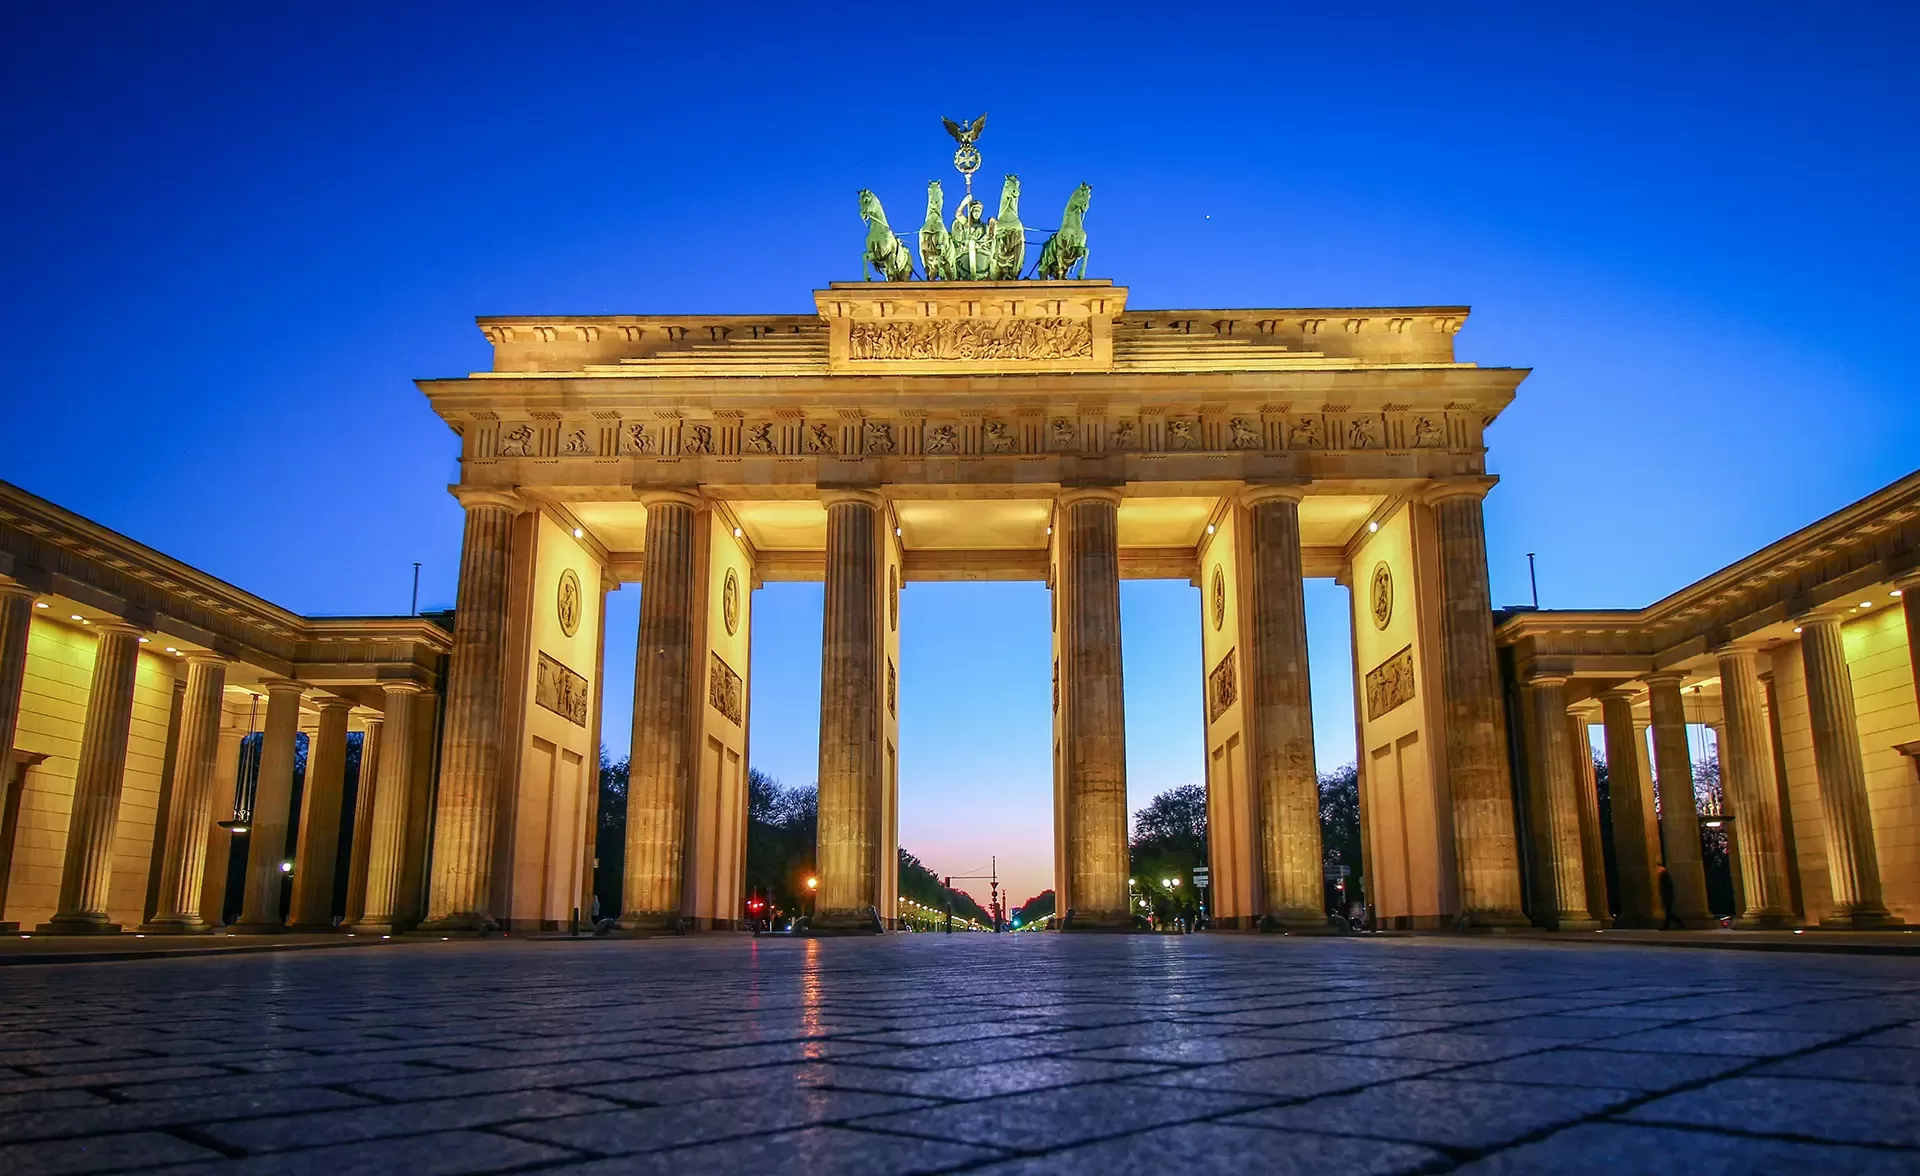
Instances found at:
x=1866 y=604
x=77 y=617
x=43 y=604
x=143 y=641
x=578 y=533
x=171 y=649
x=1372 y=527
x=1209 y=528
x=1895 y=592
x=736 y=532
x=1796 y=628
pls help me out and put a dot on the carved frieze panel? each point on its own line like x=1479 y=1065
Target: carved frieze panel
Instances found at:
x=1390 y=684
x=969 y=339
x=517 y=441
x=1223 y=687
x=940 y=440
x=724 y=690
x=893 y=686
x=560 y=690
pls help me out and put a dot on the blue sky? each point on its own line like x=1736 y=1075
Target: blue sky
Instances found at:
x=229 y=241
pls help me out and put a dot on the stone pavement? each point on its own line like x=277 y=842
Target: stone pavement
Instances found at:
x=1007 y=1054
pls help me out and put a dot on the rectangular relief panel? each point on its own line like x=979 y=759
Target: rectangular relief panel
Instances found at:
x=561 y=691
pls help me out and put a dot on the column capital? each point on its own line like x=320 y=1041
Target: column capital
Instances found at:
x=687 y=498
x=1584 y=709
x=402 y=687
x=203 y=657
x=371 y=719
x=1073 y=496
x=330 y=702
x=1907 y=579
x=472 y=497
x=831 y=497
x=1475 y=487
x=1539 y=678
x=1626 y=693
x=115 y=625
x=12 y=591
x=282 y=686
x=1258 y=493
x=1664 y=678
x=1812 y=617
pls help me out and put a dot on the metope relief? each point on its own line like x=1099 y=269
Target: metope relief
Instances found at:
x=1065 y=434
x=723 y=690
x=698 y=442
x=759 y=439
x=517 y=442
x=877 y=437
x=970 y=339
x=820 y=438
x=1245 y=433
x=560 y=690
x=1223 y=688
x=1428 y=433
x=1390 y=684
x=1305 y=434
x=578 y=445
x=638 y=441
x=1364 y=433
x=941 y=439
x=999 y=439
x=1180 y=434
x=1126 y=434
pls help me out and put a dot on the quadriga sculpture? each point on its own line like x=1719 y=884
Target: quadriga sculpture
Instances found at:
x=936 y=244
x=1009 y=236
x=885 y=250
x=1068 y=245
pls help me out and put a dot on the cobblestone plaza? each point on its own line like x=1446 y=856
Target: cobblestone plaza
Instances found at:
x=1023 y=1053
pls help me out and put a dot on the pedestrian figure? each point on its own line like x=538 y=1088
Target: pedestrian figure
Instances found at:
x=1666 y=901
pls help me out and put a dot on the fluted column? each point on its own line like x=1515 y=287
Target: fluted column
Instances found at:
x=1747 y=784
x=219 y=843
x=1679 y=812
x=1789 y=838
x=1477 y=777
x=184 y=857
x=465 y=812
x=387 y=819
x=16 y=621
x=1564 y=906
x=1908 y=585
x=1094 y=752
x=1587 y=799
x=850 y=760
x=1853 y=864
x=1280 y=713
x=363 y=802
x=1632 y=854
x=88 y=865
x=317 y=848
x=662 y=769
x=260 y=911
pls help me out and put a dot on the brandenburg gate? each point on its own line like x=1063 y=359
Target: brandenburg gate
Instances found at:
x=970 y=430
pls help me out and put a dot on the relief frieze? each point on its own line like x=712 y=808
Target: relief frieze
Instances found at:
x=561 y=691
x=724 y=690
x=1390 y=684
x=1223 y=687
x=971 y=339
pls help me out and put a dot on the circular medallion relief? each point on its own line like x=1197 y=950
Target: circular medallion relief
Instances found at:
x=893 y=599
x=567 y=602
x=1219 y=596
x=730 y=602
x=1380 y=595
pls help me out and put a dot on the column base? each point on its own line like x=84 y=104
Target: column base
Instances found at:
x=1636 y=923
x=1862 y=921
x=313 y=928
x=1295 y=922
x=1570 y=922
x=379 y=929
x=464 y=924
x=1121 y=921
x=184 y=925
x=1707 y=922
x=78 y=925
x=9 y=927
x=1766 y=921
x=648 y=925
x=256 y=928
x=1494 y=921
x=864 y=921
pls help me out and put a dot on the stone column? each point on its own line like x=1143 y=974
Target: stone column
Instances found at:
x=1679 y=814
x=1094 y=752
x=1631 y=852
x=1788 y=838
x=272 y=807
x=1564 y=908
x=387 y=820
x=1735 y=874
x=1587 y=797
x=1853 y=864
x=1280 y=713
x=660 y=783
x=1747 y=783
x=226 y=774
x=88 y=867
x=363 y=803
x=1477 y=777
x=850 y=671
x=465 y=813
x=16 y=621
x=184 y=856
x=318 y=846
x=1908 y=585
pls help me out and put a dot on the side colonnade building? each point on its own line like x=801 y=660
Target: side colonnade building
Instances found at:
x=128 y=685
x=1801 y=660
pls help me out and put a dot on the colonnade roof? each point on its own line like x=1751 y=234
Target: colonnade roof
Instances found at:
x=1848 y=563
x=81 y=569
